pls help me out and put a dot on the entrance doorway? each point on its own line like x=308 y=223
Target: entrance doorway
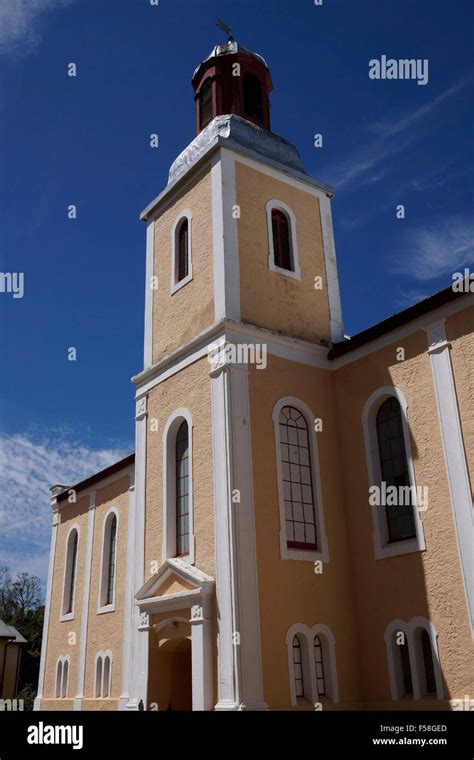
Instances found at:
x=173 y=673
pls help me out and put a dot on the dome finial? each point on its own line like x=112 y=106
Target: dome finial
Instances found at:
x=226 y=29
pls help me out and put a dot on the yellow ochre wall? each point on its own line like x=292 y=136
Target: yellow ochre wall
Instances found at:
x=104 y=631
x=270 y=299
x=427 y=583
x=289 y=590
x=189 y=388
x=180 y=317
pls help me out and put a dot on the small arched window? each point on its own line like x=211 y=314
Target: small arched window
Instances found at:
x=65 y=681
x=297 y=479
x=406 y=666
x=59 y=678
x=428 y=662
x=182 y=490
x=282 y=254
x=394 y=469
x=98 y=676
x=319 y=665
x=298 y=667
x=253 y=97
x=205 y=103
x=183 y=251
x=103 y=675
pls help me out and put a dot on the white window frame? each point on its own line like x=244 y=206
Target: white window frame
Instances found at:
x=412 y=631
x=382 y=547
x=101 y=659
x=102 y=607
x=272 y=205
x=169 y=485
x=67 y=574
x=322 y=552
x=175 y=286
x=306 y=637
x=63 y=669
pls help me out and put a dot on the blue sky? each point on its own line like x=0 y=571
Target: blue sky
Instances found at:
x=85 y=141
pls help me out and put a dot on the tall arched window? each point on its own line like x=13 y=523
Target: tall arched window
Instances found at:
x=205 y=103
x=70 y=571
x=319 y=665
x=428 y=662
x=297 y=480
x=298 y=667
x=111 y=563
x=182 y=490
x=283 y=258
x=253 y=97
x=394 y=468
x=183 y=251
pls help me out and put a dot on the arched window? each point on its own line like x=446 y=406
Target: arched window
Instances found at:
x=59 y=678
x=103 y=675
x=394 y=469
x=181 y=240
x=182 y=490
x=178 y=535
x=98 y=676
x=405 y=663
x=319 y=665
x=253 y=97
x=298 y=493
x=428 y=663
x=183 y=251
x=70 y=571
x=281 y=240
x=62 y=677
x=298 y=667
x=205 y=103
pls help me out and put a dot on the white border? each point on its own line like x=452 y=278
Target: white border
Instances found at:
x=382 y=548
x=170 y=431
x=175 y=286
x=322 y=553
x=277 y=205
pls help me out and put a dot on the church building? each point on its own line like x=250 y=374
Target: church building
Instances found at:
x=294 y=530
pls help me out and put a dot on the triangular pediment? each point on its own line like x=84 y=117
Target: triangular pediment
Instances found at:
x=175 y=577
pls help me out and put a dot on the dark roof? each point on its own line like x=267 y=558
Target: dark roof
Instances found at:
x=9 y=632
x=395 y=321
x=111 y=470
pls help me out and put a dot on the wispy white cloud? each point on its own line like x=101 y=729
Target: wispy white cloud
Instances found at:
x=441 y=248
x=29 y=466
x=22 y=22
x=389 y=128
x=368 y=164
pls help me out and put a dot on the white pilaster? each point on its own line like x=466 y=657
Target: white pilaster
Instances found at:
x=85 y=604
x=451 y=434
x=47 y=609
x=201 y=656
x=139 y=654
x=335 y=310
x=129 y=605
x=148 y=334
x=239 y=655
x=225 y=237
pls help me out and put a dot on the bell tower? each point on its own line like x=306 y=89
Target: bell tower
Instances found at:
x=232 y=80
